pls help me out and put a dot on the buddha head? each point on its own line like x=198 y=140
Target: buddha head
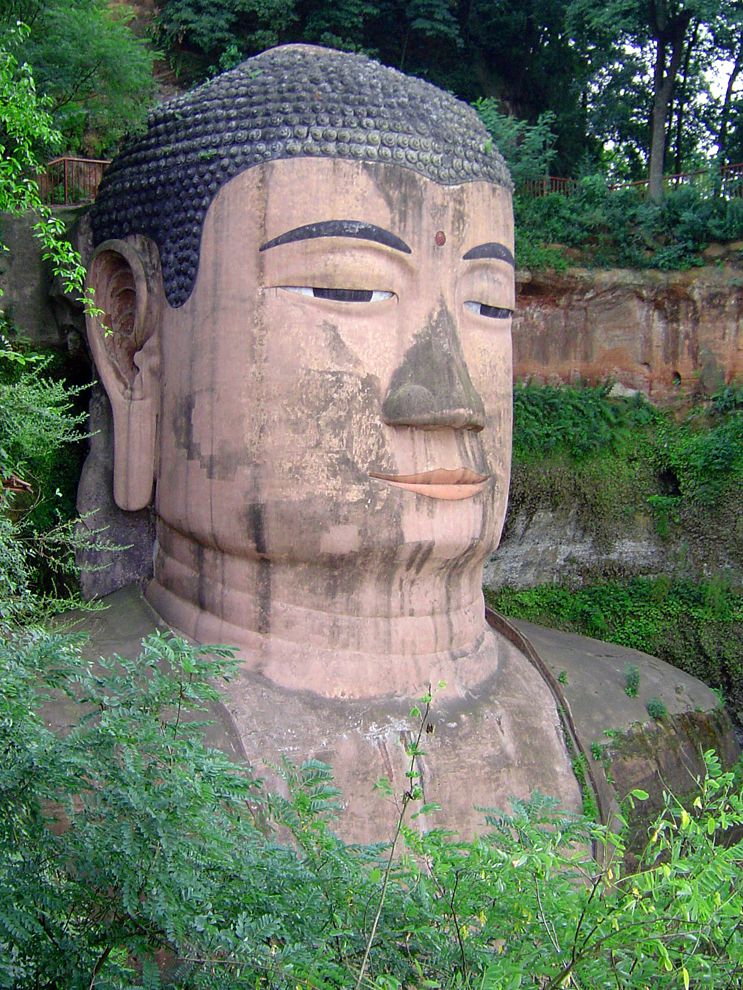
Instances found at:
x=306 y=273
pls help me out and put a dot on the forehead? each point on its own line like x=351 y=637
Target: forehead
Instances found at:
x=269 y=200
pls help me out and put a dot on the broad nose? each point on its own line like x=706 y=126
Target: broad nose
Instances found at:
x=432 y=388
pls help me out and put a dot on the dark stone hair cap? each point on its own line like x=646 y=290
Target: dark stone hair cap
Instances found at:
x=289 y=102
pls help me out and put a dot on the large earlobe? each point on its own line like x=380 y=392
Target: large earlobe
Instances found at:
x=125 y=342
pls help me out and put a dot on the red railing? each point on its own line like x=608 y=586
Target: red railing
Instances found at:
x=549 y=184
x=728 y=183
x=71 y=181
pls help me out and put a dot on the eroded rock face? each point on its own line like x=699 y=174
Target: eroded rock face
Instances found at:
x=553 y=544
x=664 y=333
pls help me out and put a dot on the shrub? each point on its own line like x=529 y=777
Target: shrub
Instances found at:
x=656 y=709
x=607 y=459
x=39 y=428
x=631 y=680
x=574 y=421
x=621 y=228
x=705 y=461
x=527 y=148
x=133 y=856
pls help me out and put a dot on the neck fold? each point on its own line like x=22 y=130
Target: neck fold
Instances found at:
x=338 y=627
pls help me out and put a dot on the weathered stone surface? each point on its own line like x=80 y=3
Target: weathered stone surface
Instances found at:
x=479 y=753
x=24 y=281
x=667 y=754
x=548 y=546
x=473 y=741
x=664 y=333
x=624 y=747
x=552 y=545
x=105 y=571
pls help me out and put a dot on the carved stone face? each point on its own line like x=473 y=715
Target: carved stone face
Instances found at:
x=338 y=338
x=332 y=406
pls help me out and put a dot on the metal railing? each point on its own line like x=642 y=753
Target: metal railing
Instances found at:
x=71 y=181
x=728 y=182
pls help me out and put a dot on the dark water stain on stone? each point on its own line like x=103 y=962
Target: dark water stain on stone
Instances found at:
x=257 y=529
x=264 y=596
x=432 y=387
x=221 y=463
x=256 y=526
x=183 y=425
x=201 y=579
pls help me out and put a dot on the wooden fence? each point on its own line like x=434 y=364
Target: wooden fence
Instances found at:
x=71 y=181
x=728 y=183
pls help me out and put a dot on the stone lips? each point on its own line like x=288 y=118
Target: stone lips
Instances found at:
x=289 y=102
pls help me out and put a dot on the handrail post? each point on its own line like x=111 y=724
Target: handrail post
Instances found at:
x=65 y=182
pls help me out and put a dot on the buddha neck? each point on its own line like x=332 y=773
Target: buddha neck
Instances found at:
x=339 y=626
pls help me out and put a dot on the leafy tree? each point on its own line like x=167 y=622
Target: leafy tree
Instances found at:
x=728 y=39
x=26 y=130
x=85 y=58
x=37 y=416
x=524 y=55
x=206 y=36
x=527 y=148
x=132 y=855
x=339 y=25
x=661 y=39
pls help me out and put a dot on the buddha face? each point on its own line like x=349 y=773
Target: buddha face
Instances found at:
x=338 y=384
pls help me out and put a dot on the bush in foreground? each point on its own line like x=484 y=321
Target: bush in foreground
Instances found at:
x=133 y=856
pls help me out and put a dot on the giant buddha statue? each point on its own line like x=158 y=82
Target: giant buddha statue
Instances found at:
x=306 y=267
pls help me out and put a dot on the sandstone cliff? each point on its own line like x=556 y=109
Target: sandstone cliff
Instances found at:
x=669 y=334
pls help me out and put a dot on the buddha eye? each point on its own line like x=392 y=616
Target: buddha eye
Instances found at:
x=492 y=312
x=340 y=295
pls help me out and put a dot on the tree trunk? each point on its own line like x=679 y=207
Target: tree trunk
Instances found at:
x=680 y=100
x=661 y=99
x=669 y=41
x=727 y=101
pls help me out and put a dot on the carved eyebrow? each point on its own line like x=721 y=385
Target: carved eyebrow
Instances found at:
x=340 y=228
x=490 y=250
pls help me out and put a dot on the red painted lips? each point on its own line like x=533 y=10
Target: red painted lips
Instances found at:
x=442 y=483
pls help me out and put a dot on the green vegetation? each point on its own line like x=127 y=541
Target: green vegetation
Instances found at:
x=26 y=128
x=579 y=85
x=656 y=709
x=40 y=425
x=601 y=226
x=94 y=74
x=620 y=229
x=695 y=625
x=623 y=85
x=133 y=856
x=613 y=459
x=574 y=422
x=631 y=680
x=38 y=419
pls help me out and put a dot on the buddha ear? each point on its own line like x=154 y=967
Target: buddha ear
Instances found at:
x=125 y=342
